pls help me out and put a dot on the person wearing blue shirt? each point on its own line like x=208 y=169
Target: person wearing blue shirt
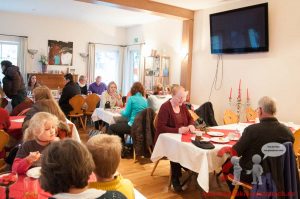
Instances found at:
x=136 y=103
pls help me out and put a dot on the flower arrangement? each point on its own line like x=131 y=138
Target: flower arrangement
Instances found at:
x=44 y=60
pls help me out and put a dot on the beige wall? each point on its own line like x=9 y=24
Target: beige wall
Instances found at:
x=41 y=29
x=163 y=35
x=275 y=73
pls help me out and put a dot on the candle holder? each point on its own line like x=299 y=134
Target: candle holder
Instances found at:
x=240 y=106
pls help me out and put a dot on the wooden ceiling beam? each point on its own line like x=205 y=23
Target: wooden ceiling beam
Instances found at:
x=147 y=5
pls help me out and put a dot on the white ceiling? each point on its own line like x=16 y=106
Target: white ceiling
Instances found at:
x=195 y=4
x=81 y=11
x=74 y=10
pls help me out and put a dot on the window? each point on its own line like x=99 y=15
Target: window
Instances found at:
x=8 y=51
x=107 y=64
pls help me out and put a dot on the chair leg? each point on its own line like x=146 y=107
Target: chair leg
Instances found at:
x=170 y=178
x=234 y=192
x=156 y=163
x=134 y=155
x=82 y=123
x=150 y=150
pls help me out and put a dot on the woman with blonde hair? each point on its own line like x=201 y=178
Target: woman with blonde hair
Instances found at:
x=111 y=96
x=44 y=102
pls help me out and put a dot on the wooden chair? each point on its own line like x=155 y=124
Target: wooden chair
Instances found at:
x=250 y=114
x=230 y=177
x=3 y=102
x=23 y=113
x=230 y=117
x=4 y=138
x=194 y=115
x=77 y=102
x=296 y=147
x=91 y=100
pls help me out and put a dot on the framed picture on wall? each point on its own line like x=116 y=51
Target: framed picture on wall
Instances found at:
x=60 y=53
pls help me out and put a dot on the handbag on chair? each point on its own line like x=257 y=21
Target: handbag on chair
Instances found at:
x=107 y=105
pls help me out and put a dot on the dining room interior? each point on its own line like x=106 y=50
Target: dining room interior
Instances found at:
x=178 y=85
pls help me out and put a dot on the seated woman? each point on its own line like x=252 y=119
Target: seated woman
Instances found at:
x=70 y=90
x=106 y=152
x=43 y=102
x=157 y=98
x=111 y=96
x=82 y=85
x=32 y=84
x=134 y=105
x=4 y=119
x=173 y=117
x=66 y=168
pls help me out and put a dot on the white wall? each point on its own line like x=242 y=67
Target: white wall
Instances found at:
x=41 y=29
x=163 y=35
x=275 y=73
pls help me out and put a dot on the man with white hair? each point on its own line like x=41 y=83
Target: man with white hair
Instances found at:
x=255 y=136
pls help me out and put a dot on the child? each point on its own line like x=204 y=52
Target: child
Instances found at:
x=39 y=134
x=106 y=152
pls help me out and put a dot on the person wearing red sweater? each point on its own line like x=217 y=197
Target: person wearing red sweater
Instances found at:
x=4 y=119
x=39 y=134
x=174 y=117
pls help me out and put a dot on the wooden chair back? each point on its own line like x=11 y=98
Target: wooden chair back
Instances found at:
x=3 y=102
x=23 y=113
x=230 y=117
x=4 y=138
x=194 y=115
x=76 y=102
x=250 y=114
x=92 y=100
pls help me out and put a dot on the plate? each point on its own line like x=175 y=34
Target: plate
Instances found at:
x=34 y=172
x=205 y=139
x=220 y=140
x=215 y=134
x=235 y=139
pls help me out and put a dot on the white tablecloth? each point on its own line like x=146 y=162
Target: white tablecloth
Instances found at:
x=105 y=115
x=196 y=159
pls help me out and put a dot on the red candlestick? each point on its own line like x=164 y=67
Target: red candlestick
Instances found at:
x=230 y=95
x=240 y=96
x=247 y=94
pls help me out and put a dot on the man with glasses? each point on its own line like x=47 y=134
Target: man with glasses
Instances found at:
x=254 y=137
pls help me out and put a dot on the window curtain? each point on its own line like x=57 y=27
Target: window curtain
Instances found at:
x=22 y=57
x=91 y=63
x=128 y=66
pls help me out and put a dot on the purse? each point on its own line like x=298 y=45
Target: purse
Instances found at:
x=107 y=105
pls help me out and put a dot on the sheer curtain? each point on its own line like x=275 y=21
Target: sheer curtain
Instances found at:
x=22 y=58
x=108 y=63
x=132 y=67
x=91 y=63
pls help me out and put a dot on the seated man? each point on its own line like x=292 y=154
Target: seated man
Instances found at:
x=257 y=135
x=98 y=87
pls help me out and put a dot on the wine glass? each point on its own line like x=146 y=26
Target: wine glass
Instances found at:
x=6 y=180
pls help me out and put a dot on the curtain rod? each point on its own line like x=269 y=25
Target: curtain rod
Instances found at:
x=117 y=44
x=14 y=35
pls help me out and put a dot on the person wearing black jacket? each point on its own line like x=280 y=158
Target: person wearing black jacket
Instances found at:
x=13 y=84
x=70 y=90
x=82 y=85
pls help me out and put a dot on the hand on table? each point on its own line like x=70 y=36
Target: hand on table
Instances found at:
x=191 y=128
x=183 y=129
x=33 y=157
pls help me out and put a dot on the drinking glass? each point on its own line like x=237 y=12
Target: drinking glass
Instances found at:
x=6 y=180
x=31 y=188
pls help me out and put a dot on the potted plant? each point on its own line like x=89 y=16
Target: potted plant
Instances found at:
x=44 y=62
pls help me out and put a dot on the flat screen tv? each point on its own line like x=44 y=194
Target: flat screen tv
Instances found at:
x=242 y=30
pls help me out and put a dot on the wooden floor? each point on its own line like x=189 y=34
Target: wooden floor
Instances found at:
x=156 y=186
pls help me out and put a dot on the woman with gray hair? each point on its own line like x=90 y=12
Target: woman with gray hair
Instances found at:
x=82 y=83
